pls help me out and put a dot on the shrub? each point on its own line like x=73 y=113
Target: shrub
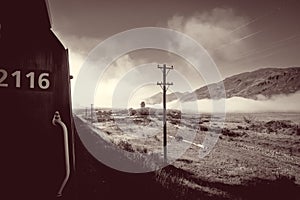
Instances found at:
x=178 y=138
x=108 y=132
x=156 y=138
x=227 y=132
x=126 y=146
x=203 y=128
x=298 y=131
x=248 y=119
x=131 y=112
x=142 y=149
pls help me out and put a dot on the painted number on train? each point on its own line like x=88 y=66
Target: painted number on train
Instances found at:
x=34 y=79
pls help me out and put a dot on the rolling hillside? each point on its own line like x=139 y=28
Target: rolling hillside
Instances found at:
x=262 y=83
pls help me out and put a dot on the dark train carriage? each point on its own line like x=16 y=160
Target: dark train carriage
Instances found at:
x=34 y=84
x=37 y=133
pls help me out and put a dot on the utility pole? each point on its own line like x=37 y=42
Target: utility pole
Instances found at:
x=164 y=85
x=92 y=110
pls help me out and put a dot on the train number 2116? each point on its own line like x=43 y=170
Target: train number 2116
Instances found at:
x=42 y=79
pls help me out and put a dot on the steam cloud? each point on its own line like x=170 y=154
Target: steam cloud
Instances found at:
x=277 y=103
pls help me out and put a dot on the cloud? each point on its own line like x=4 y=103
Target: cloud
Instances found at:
x=112 y=76
x=120 y=67
x=75 y=61
x=277 y=103
x=213 y=29
x=220 y=31
x=79 y=44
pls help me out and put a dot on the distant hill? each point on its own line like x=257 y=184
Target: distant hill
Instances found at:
x=265 y=81
x=157 y=98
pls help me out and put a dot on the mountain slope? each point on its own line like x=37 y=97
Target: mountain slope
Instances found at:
x=264 y=82
x=157 y=98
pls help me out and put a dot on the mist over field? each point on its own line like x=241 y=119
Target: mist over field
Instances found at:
x=277 y=103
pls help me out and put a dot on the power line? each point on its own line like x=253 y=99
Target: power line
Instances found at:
x=245 y=25
x=238 y=40
x=254 y=20
x=273 y=45
x=259 y=57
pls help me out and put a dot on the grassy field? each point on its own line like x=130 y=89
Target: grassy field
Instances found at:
x=257 y=156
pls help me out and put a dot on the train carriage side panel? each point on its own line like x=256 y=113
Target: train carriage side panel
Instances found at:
x=34 y=84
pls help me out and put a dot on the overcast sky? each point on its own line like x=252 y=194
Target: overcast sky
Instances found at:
x=239 y=35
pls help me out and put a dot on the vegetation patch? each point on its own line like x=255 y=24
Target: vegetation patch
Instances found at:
x=126 y=146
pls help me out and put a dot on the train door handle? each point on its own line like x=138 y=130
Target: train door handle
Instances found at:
x=57 y=121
